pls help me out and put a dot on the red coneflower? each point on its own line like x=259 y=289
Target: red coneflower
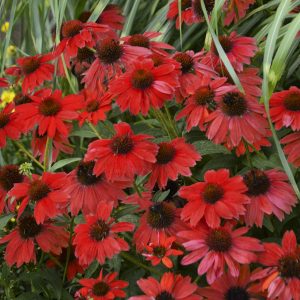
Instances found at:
x=111 y=16
x=144 y=86
x=202 y=100
x=111 y=58
x=46 y=192
x=229 y=287
x=95 y=107
x=285 y=108
x=270 y=193
x=3 y=82
x=124 y=155
x=173 y=158
x=144 y=40
x=170 y=287
x=237 y=118
x=9 y=125
x=34 y=70
x=191 y=11
x=76 y=34
x=239 y=50
x=49 y=110
x=103 y=288
x=219 y=247
x=59 y=144
x=9 y=175
x=160 y=219
x=219 y=196
x=159 y=252
x=281 y=277
x=192 y=70
x=97 y=238
x=249 y=79
x=292 y=147
x=236 y=10
x=23 y=240
x=87 y=190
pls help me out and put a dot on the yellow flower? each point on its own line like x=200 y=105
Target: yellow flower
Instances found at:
x=7 y=96
x=4 y=27
x=11 y=50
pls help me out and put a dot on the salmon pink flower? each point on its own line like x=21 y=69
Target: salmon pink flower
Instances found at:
x=46 y=192
x=218 y=197
x=281 y=277
x=111 y=58
x=239 y=50
x=202 y=100
x=173 y=158
x=98 y=238
x=144 y=40
x=170 y=287
x=159 y=252
x=9 y=175
x=87 y=190
x=123 y=156
x=218 y=248
x=144 y=86
x=232 y=288
x=160 y=219
x=292 y=147
x=237 y=119
x=266 y=190
x=28 y=235
x=50 y=110
x=9 y=125
x=285 y=108
x=236 y=10
x=34 y=70
x=103 y=288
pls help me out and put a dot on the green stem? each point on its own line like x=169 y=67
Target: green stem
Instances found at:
x=162 y=123
x=46 y=154
x=136 y=262
x=171 y=121
x=23 y=149
x=56 y=260
x=94 y=130
x=69 y=249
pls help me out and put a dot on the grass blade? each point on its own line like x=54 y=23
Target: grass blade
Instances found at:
x=220 y=50
x=98 y=10
x=130 y=19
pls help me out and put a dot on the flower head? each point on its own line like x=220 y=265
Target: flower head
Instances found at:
x=123 y=156
x=218 y=197
x=98 y=237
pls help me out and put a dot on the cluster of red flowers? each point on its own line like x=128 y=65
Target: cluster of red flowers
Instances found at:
x=208 y=225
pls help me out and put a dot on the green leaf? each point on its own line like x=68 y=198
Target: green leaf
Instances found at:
x=221 y=52
x=4 y=220
x=208 y=147
x=83 y=133
x=64 y=162
x=267 y=87
x=130 y=19
x=98 y=10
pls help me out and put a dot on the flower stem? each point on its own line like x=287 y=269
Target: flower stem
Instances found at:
x=94 y=130
x=69 y=249
x=171 y=121
x=23 y=149
x=46 y=154
x=136 y=262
